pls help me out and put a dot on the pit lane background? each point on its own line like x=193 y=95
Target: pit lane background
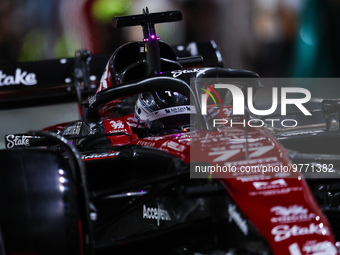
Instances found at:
x=35 y=118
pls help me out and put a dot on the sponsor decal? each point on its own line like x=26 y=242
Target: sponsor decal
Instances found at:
x=275 y=192
x=118 y=131
x=293 y=213
x=73 y=130
x=92 y=100
x=256 y=161
x=116 y=124
x=100 y=155
x=270 y=185
x=16 y=140
x=283 y=232
x=313 y=248
x=319 y=248
x=146 y=143
x=178 y=109
x=175 y=146
x=157 y=214
x=20 y=77
x=105 y=79
x=142 y=113
x=180 y=72
x=291 y=210
x=252 y=178
x=237 y=218
x=294 y=249
x=153 y=138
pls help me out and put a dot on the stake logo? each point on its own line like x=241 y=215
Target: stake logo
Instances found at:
x=20 y=77
x=283 y=232
x=16 y=140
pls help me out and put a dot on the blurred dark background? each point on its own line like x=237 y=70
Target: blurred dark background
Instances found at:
x=276 y=38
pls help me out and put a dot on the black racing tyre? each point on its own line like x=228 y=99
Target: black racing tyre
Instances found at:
x=38 y=204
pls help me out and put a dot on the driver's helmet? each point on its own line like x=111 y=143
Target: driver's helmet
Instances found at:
x=163 y=111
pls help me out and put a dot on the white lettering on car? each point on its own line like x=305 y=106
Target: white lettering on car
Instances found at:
x=293 y=213
x=20 y=77
x=156 y=214
x=16 y=140
x=270 y=185
x=237 y=218
x=283 y=232
x=180 y=72
x=116 y=124
x=321 y=248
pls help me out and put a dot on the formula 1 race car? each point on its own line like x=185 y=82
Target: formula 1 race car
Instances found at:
x=152 y=166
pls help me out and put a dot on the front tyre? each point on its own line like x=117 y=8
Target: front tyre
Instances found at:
x=38 y=204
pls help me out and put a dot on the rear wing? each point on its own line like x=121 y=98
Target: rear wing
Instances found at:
x=49 y=81
x=69 y=79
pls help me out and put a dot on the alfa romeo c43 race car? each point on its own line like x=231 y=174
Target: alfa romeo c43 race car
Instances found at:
x=152 y=168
